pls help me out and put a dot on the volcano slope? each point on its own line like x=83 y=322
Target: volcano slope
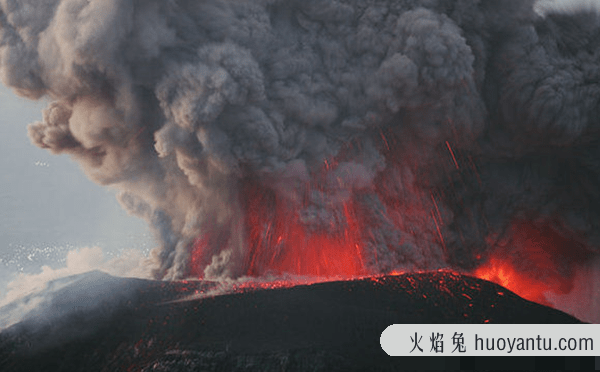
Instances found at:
x=95 y=322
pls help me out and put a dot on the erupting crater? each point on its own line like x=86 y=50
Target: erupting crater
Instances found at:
x=537 y=261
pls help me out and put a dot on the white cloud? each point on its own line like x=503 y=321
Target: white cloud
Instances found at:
x=131 y=263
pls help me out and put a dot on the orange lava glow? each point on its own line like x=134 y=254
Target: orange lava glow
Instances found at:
x=524 y=284
x=396 y=273
x=279 y=243
x=539 y=260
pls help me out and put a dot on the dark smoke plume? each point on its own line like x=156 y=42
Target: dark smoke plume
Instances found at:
x=441 y=121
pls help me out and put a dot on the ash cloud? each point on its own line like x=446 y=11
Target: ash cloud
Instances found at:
x=443 y=121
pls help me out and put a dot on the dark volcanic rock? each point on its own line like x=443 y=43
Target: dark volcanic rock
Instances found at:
x=95 y=322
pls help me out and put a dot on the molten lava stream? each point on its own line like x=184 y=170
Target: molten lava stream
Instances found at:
x=539 y=261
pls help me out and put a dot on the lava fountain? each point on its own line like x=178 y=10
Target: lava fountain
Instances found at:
x=278 y=243
x=329 y=138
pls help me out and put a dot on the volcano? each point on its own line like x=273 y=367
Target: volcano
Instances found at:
x=331 y=138
x=96 y=322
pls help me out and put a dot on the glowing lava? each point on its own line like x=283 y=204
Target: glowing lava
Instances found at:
x=539 y=261
x=279 y=243
x=503 y=272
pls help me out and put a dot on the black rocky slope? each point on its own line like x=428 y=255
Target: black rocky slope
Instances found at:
x=94 y=322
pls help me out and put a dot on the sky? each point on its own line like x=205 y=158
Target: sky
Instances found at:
x=48 y=207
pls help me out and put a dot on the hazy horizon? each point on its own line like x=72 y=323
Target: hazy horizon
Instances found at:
x=48 y=207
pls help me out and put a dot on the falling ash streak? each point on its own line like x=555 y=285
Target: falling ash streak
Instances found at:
x=324 y=103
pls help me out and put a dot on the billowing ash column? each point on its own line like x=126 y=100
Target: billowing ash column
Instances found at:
x=320 y=137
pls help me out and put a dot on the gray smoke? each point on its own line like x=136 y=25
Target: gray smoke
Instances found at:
x=443 y=121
